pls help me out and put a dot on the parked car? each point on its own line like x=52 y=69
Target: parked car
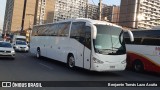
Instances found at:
x=21 y=46
x=6 y=50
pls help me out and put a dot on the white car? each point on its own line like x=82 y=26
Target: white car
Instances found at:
x=21 y=46
x=6 y=50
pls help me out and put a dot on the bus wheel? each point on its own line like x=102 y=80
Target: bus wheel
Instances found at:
x=138 y=66
x=38 y=54
x=71 y=61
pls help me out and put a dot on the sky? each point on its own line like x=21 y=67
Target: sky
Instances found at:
x=3 y=3
x=2 y=11
x=108 y=2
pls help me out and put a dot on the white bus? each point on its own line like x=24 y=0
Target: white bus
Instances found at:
x=144 y=52
x=89 y=44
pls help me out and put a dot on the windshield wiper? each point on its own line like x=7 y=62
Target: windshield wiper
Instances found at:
x=98 y=50
x=111 y=49
x=106 y=49
x=115 y=48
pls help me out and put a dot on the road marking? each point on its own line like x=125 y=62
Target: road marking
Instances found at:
x=46 y=66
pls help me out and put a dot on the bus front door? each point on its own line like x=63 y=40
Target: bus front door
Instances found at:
x=87 y=48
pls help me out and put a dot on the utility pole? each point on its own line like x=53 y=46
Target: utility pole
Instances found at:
x=86 y=16
x=100 y=9
x=30 y=27
x=23 y=15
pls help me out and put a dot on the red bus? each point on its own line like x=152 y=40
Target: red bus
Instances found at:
x=144 y=53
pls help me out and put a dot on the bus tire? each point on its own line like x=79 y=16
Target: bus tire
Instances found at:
x=138 y=66
x=71 y=61
x=38 y=54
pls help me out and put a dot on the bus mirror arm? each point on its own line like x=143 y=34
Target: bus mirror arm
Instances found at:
x=130 y=35
x=94 y=31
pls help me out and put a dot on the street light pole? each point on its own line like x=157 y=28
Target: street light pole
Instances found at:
x=29 y=27
x=23 y=16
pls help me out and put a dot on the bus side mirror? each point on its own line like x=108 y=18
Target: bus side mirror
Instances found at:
x=93 y=30
x=94 y=33
x=130 y=35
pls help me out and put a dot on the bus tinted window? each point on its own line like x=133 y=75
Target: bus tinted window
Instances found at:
x=127 y=41
x=54 y=29
x=78 y=31
x=137 y=41
x=151 y=41
x=88 y=37
x=41 y=31
x=63 y=29
x=58 y=29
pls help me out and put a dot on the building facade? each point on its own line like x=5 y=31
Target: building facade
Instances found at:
x=92 y=11
x=140 y=13
x=44 y=11
x=109 y=13
x=14 y=14
x=49 y=11
x=65 y=9
x=113 y=14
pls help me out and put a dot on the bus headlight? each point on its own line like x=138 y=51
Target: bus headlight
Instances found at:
x=123 y=62
x=95 y=60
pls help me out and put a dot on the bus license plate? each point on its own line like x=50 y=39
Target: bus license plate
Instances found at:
x=112 y=67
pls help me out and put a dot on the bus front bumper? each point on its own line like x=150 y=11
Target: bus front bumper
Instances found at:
x=108 y=67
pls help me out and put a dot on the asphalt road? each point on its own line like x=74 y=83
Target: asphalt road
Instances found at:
x=26 y=67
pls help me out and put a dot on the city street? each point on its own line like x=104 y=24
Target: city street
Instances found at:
x=26 y=67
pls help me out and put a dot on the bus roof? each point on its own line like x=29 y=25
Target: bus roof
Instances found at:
x=84 y=20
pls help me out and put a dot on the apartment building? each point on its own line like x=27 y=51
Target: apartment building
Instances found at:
x=65 y=9
x=109 y=13
x=44 y=11
x=48 y=11
x=92 y=11
x=14 y=14
x=113 y=14
x=140 y=13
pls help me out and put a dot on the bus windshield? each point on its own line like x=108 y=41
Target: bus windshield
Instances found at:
x=109 y=40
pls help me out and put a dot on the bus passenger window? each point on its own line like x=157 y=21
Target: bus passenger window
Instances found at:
x=138 y=41
x=127 y=41
x=78 y=31
x=88 y=37
x=151 y=41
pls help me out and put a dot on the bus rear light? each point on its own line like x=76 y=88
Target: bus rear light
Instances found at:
x=95 y=60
